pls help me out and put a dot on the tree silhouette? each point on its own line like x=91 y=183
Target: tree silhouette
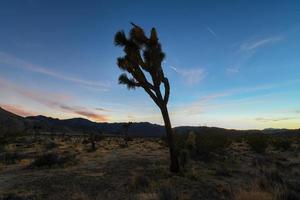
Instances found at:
x=126 y=127
x=144 y=55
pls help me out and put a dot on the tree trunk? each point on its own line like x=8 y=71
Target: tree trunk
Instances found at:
x=174 y=166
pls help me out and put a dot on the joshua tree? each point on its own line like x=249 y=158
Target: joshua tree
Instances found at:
x=144 y=55
x=126 y=127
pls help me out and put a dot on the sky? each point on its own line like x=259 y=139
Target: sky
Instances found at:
x=232 y=64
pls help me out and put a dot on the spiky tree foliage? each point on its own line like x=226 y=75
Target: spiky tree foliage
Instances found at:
x=144 y=55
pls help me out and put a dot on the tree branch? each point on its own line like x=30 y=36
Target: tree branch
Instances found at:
x=152 y=95
x=167 y=90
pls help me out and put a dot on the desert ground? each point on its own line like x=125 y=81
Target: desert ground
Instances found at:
x=44 y=167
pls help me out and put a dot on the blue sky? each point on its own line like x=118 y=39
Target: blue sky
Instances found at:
x=232 y=64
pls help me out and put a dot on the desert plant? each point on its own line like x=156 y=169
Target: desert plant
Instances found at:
x=252 y=194
x=144 y=54
x=51 y=159
x=126 y=137
x=258 y=143
x=50 y=144
x=9 y=157
x=92 y=141
x=281 y=143
x=191 y=140
x=206 y=144
x=184 y=156
x=139 y=181
x=167 y=192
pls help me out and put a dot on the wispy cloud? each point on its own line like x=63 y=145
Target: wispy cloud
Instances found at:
x=102 y=109
x=255 y=44
x=17 y=62
x=247 y=50
x=50 y=100
x=191 y=76
x=216 y=100
x=233 y=69
x=277 y=119
x=211 y=31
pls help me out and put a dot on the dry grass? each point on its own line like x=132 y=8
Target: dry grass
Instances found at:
x=253 y=194
x=140 y=171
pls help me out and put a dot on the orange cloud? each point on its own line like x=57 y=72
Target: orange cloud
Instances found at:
x=50 y=100
x=93 y=116
x=19 y=110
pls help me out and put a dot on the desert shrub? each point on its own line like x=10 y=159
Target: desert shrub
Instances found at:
x=14 y=196
x=99 y=138
x=223 y=170
x=257 y=143
x=207 y=144
x=9 y=137
x=167 y=192
x=253 y=194
x=191 y=141
x=144 y=196
x=10 y=157
x=51 y=159
x=281 y=143
x=184 y=156
x=139 y=181
x=2 y=148
x=50 y=144
x=122 y=145
x=85 y=141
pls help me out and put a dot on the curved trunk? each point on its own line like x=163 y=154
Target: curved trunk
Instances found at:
x=174 y=165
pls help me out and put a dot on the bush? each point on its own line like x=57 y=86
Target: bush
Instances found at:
x=10 y=157
x=184 y=156
x=140 y=181
x=211 y=143
x=168 y=193
x=14 y=196
x=258 y=143
x=51 y=159
x=281 y=143
x=191 y=141
x=50 y=144
x=253 y=193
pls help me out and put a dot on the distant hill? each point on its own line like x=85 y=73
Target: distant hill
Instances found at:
x=10 y=122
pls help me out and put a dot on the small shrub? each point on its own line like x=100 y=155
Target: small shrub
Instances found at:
x=10 y=157
x=140 y=181
x=191 y=141
x=122 y=145
x=51 y=159
x=50 y=145
x=211 y=143
x=85 y=141
x=145 y=196
x=253 y=195
x=184 y=156
x=281 y=143
x=222 y=170
x=14 y=196
x=167 y=192
x=258 y=143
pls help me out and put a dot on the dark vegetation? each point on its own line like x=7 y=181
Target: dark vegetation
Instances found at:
x=214 y=166
x=52 y=159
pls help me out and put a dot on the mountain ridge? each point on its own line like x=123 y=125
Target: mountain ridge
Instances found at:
x=10 y=121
